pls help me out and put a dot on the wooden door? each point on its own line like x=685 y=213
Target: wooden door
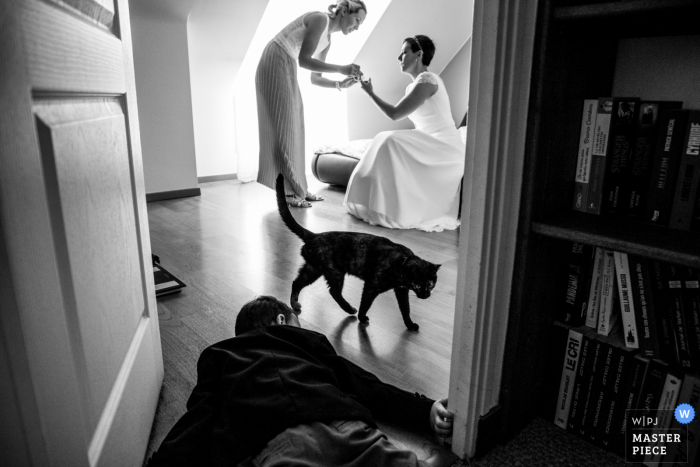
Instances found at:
x=80 y=356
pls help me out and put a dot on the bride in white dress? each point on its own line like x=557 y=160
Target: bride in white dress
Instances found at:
x=410 y=179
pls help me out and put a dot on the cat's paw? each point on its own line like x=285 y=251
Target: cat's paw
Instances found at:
x=413 y=327
x=296 y=306
x=364 y=319
x=351 y=311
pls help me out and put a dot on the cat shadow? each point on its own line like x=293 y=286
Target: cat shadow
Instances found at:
x=363 y=337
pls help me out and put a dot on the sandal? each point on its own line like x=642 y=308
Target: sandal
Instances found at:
x=297 y=202
x=313 y=197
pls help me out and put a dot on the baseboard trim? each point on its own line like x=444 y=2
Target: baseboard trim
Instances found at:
x=163 y=195
x=489 y=431
x=217 y=178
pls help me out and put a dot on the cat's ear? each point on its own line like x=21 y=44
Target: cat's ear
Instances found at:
x=437 y=266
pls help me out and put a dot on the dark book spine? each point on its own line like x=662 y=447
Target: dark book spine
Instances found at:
x=630 y=395
x=597 y=351
x=674 y=281
x=578 y=282
x=650 y=396
x=691 y=314
x=669 y=144
x=614 y=410
x=599 y=153
x=644 y=306
x=617 y=167
x=686 y=453
x=688 y=176
x=646 y=130
x=580 y=385
x=664 y=325
x=583 y=163
x=695 y=223
x=603 y=393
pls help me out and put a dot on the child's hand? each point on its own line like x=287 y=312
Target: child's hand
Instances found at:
x=441 y=419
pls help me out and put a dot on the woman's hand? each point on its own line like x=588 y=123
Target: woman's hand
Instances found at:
x=367 y=86
x=350 y=70
x=441 y=419
x=347 y=82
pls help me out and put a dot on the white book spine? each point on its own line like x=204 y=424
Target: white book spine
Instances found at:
x=608 y=295
x=624 y=286
x=596 y=288
x=585 y=147
x=568 y=377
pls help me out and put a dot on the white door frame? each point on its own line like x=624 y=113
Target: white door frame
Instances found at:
x=502 y=48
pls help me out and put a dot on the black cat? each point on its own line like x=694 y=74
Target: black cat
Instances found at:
x=379 y=262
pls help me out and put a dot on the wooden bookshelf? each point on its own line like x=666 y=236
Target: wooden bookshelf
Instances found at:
x=576 y=55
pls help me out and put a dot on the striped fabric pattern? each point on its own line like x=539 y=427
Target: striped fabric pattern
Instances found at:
x=280 y=121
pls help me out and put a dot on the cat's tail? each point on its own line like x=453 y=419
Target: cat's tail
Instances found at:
x=287 y=217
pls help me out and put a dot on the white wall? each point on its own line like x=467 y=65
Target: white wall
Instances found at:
x=447 y=22
x=161 y=66
x=456 y=79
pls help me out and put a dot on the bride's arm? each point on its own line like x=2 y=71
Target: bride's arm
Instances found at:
x=315 y=25
x=408 y=103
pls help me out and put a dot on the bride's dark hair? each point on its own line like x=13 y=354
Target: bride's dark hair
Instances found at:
x=424 y=43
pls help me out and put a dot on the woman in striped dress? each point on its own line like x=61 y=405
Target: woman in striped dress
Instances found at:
x=280 y=108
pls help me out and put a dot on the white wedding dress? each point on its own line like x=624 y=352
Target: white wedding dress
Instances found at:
x=410 y=179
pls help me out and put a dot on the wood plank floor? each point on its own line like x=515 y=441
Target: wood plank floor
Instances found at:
x=229 y=245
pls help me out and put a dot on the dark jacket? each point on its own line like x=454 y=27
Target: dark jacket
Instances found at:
x=254 y=386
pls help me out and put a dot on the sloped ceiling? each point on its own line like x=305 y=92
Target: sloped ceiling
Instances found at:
x=447 y=22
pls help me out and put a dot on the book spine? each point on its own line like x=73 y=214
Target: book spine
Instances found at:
x=688 y=176
x=643 y=305
x=691 y=314
x=667 y=341
x=568 y=376
x=669 y=144
x=596 y=350
x=695 y=223
x=650 y=395
x=614 y=411
x=646 y=130
x=583 y=163
x=577 y=284
x=595 y=289
x=686 y=452
x=608 y=310
x=674 y=283
x=667 y=402
x=580 y=384
x=627 y=311
x=604 y=393
x=601 y=131
x=620 y=142
x=629 y=400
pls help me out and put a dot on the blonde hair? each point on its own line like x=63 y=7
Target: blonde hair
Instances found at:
x=353 y=6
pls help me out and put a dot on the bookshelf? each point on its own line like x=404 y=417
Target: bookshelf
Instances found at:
x=582 y=50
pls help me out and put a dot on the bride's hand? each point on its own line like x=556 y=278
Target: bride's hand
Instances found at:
x=367 y=86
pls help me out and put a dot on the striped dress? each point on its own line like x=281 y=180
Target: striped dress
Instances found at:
x=281 y=110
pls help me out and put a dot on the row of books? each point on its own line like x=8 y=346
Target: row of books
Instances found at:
x=602 y=380
x=657 y=304
x=639 y=159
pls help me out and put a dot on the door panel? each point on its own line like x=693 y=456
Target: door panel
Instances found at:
x=79 y=324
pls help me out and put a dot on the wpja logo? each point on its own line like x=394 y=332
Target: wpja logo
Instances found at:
x=653 y=437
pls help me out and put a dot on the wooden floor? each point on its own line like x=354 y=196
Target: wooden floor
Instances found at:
x=229 y=245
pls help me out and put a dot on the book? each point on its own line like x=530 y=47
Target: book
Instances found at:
x=627 y=311
x=691 y=313
x=664 y=413
x=662 y=183
x=604 y=388
x=641 y=285
x=583 y=162
x=687 y=452
x=165 y=282
x=615 y=403
x=664 y=326
x=609 y=310
x=568 y=376
x=651 y=389
x=591 y=381
x=620 y=140
x=646 y=131
x=695 y=223
x=580 y=262
x=629 y=399
x=595 y=289
x=599 y=150
x=581 y=382
x=688 y=178
x=674 y=278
